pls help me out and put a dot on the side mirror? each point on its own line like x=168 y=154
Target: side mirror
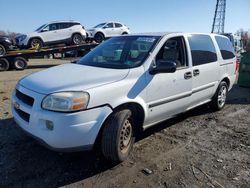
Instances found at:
x=163 y=66
x=45 y=29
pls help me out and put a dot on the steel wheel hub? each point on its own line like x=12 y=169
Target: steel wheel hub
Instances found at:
x=19 y=63
x=125 y=135
x=77 y=39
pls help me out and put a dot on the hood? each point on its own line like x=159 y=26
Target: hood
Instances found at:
x=71 y=77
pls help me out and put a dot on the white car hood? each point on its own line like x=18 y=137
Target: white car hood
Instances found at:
x=71 y=77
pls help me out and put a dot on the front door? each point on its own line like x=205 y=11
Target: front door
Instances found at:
x=49 y=33
x=169 y=93
x=109 y=29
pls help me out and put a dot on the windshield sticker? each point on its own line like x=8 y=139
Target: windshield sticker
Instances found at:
x=145 y=39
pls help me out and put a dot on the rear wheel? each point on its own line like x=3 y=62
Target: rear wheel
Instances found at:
x=124 y=33
x=77 y=39
x=118 y=136
x=219 y=100
x=2 y=50
x=4 y=64
x=36 y=43
x=20 y=63
x=99 y=37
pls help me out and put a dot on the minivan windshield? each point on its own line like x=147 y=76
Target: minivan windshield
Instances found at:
x=39 y=28
x=120 y=52
x=100 y=25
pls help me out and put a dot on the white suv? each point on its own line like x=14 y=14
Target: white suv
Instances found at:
x=124 y=85
x=66 y=32
x=107 y=29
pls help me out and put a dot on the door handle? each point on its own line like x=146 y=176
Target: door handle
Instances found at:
x=188 y=75
x=196 y=72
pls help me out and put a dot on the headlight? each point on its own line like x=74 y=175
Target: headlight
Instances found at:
x=66 y=101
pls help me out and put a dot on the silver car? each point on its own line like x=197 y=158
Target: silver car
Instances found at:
x=125 y=85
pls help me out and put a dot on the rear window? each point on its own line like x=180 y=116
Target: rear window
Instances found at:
x=226 y=47
x=202 y=49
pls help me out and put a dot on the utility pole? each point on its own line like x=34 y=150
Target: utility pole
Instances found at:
x=219 y=17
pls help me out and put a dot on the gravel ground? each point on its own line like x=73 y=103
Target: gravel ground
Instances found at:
x=200 y=148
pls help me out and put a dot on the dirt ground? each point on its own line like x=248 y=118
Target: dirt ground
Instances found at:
x=200 y=148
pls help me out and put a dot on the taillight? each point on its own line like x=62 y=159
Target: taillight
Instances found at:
x=237 y=65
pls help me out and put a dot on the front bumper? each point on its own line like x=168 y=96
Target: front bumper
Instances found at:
x=71 y=131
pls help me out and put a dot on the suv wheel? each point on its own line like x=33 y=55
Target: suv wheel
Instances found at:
x=36 y=43
x=77 y=39
x=99 y=37
x=118 y=136
x=2 y=50
x=219 y=100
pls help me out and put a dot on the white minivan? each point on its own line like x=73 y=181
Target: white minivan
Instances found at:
x=124 y=85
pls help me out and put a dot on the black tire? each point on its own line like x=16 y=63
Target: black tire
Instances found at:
x=36 y=43
x=2 y=50
x=4 y=64
x=124 y=33
x=19 y=63
x=77 y=39
x=219 y=100
x=99 y=37
x=118 y=136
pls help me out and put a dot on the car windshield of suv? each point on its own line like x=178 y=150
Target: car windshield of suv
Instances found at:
x=100 y=25
x=39 y=28
x=120 y=52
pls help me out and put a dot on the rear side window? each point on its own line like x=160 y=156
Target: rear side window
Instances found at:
x=64 y=25
x=202 y=49
x=118 y=25
x=226 y=47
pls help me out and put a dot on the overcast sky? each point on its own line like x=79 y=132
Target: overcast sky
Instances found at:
x=140 y=15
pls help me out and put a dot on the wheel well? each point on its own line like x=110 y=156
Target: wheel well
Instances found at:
x=99 y=32
x=227 y=81
x=137 y=112
x=124 y=33
x=3 y=45
x=75 y=33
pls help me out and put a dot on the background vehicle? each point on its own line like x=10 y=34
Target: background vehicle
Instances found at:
x=107 y=29
x=130 y=83
x=59 y=32
x=5 y=44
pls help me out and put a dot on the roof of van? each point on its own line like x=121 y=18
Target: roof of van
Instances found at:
x=168 y=33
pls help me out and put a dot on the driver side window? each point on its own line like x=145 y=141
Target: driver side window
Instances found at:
x=109 y=25
x=173 y=50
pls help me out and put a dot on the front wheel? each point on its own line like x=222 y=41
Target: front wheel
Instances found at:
x=99 y=37
x=36 y=43
x=118 y=136
x=219 y=100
